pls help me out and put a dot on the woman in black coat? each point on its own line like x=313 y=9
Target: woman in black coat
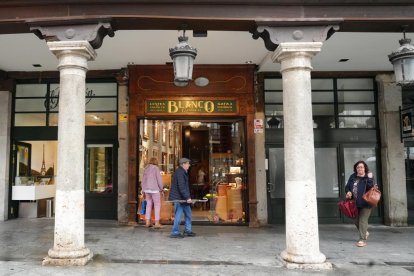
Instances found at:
x=359 y=183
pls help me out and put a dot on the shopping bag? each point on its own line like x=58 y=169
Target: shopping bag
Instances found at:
x=348 y=208
x=143 y=207
x=373 y=196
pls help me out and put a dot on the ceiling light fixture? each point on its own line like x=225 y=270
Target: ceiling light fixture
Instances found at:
x=201 y=81
x=403 y=61
x=183 y=56
x=195 y=124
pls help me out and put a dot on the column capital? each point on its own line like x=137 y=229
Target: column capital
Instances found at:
x=385 y=78
x=275 y=35
x=66 y=51
x=93 y=33
x=299 y=54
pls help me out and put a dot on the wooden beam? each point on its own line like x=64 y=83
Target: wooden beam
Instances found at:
x=358 y=16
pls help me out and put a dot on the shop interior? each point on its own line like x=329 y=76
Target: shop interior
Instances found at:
x=34 y=173
x=217 y=174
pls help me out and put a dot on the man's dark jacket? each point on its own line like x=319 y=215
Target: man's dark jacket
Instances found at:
x=180 y=189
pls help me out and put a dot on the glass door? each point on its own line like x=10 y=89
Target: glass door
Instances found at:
x=276 y=184
x=333 y=166
x=99 y=169
x=227 y=172
x=100 y=180
x=327 y=185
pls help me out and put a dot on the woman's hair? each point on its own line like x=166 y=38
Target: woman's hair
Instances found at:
x=363 y=163
x=153 y=161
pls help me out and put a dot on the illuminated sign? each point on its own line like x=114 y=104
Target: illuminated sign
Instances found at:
x=199 y=106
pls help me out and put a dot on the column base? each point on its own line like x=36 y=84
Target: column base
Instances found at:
x=68 y=258
x=314 y=262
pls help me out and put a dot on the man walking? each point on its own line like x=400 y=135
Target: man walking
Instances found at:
x=180 y=190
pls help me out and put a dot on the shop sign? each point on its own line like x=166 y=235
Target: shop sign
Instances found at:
x=406 y=124
x=258 y=126
x=193 y=106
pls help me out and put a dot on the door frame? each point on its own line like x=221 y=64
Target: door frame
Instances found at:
x=96 y=204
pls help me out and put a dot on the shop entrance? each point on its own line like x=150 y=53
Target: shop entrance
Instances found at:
x=218 y=168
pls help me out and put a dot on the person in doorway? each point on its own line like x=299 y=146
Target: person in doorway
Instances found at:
x=152 y=187
x=201 y=176
x=180 y=193
x=359 y=183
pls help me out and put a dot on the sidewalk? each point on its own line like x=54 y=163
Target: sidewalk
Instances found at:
x=216 y=250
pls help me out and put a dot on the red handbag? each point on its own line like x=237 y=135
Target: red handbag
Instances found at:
x=373 y=196
x=348 y=208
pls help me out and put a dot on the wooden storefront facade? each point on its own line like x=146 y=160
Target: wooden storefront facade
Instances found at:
x=154 y=82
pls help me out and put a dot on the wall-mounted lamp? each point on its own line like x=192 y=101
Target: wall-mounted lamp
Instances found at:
x=183 y=56
x=403 y=61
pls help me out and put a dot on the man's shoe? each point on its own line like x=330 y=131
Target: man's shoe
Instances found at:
x=189 y=234
x=178 y=236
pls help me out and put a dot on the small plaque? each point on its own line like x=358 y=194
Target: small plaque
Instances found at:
x=123 y=117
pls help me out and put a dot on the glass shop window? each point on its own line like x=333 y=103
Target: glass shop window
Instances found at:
x=336 y=103
x=99 y=163
x=273 y=103
x=38 y=104
x=356 y=103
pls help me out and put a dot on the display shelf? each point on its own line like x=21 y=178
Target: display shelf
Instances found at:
x=34 y=192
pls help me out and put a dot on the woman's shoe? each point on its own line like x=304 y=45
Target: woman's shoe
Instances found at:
x=158 y=226
x=148 y=224
x=361 y=243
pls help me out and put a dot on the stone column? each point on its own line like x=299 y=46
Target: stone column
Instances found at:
x=302 y=236
x=69 y=245
x=5 y=117
x=392 y=152
x=123 y=137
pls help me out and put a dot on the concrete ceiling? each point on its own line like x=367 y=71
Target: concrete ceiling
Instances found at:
x=365 y=51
